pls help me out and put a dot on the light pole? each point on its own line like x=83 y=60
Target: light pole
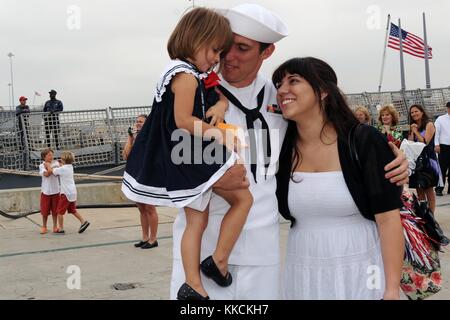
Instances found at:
x=9 y=97
x=10 y=55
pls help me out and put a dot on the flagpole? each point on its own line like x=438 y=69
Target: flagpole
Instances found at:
x=384 y=53
x=402 y=65
x=427 y=63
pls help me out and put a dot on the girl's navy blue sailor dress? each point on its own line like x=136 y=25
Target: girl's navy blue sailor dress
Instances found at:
x=168 y=166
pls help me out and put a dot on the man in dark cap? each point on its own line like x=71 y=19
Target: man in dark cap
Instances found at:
x=22 y=109
x=51 y=120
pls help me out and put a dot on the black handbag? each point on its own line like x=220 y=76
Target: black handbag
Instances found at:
x=426 y=177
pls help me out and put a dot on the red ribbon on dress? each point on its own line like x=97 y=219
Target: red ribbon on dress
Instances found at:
x=212 y=80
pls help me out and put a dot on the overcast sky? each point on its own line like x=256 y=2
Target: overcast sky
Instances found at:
x=100 y=53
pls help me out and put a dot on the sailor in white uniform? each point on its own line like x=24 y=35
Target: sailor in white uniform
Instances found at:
x=255 y=260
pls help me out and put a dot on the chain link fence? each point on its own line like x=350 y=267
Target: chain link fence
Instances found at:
x=97 y=137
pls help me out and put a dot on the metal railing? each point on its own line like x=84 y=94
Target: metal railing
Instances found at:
x=433 y=100
x=97 y=137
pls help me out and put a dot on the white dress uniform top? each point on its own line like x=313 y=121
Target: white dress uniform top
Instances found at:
x=255 y=259
x=258 y=243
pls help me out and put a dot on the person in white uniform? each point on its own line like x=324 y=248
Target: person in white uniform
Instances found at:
x=255 y=260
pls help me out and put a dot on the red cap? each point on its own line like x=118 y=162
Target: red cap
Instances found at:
x=23 y=98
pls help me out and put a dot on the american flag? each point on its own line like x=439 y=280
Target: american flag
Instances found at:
x=412 y=44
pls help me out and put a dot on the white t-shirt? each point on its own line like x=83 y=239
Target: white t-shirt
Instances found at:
x=442 y=125
x=258 y=243
x=68 y=188
x=50 y=184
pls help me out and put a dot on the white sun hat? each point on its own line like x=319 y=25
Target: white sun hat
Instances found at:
x=255 y=22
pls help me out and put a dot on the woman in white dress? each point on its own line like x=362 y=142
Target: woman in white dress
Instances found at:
x=346 y=238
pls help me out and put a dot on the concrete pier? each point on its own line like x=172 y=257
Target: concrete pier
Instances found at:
x=34 y=266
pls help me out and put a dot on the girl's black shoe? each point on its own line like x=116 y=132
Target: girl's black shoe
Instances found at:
x=209 y=268
x=140 y=244
x=187 y=293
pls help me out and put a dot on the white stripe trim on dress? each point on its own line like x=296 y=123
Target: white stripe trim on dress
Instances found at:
x=137 y=192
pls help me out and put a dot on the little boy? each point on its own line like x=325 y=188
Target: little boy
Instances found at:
x=49 y=190
x=68 y=197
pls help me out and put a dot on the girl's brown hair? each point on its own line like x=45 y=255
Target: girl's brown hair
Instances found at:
x=392 y=111
x=68 y=157
x=197 y=28
x=45 y=152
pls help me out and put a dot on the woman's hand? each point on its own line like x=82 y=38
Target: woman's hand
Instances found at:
x=217 y=111
x=414 y=129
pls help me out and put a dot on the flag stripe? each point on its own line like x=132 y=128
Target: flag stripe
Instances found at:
x=422 y=54
x=395 y=44
x=409 y=50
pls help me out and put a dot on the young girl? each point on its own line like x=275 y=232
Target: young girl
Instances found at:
x=162 y=171
x=68 y=197
x=49 y=190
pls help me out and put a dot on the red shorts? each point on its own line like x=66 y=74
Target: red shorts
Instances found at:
x=65 y=205
x=49 y=204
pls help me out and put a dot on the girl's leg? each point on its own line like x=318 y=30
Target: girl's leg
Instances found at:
x=144 y=221
x=152 y=218
x=61 y=221
x=241 y=201
x=44 y=220
x=79 y=217
x=196 y=222
x=431 y=197
x=55 y=221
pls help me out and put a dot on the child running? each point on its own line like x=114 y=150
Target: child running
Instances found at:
x=68 y=197
x=154 y=173
x=49 y=190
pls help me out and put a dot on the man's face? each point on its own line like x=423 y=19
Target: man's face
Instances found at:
x=241 y=64
x=52 y=95
x=23 y=102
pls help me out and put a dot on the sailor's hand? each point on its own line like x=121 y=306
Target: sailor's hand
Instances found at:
x=397 y=169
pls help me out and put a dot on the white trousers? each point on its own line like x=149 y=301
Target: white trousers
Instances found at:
x=249 y=283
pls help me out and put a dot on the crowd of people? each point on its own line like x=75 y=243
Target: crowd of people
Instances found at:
x=289 y=152
x=434 y=136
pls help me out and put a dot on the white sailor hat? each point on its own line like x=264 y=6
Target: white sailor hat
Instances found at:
x=255 y=22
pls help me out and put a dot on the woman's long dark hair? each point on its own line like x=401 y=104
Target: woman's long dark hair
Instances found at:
x=335 y=109
x=425 y=118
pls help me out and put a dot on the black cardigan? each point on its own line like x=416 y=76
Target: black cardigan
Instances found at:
x=370 y=190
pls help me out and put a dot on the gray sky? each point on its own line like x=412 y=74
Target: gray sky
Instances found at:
x=112 y=53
